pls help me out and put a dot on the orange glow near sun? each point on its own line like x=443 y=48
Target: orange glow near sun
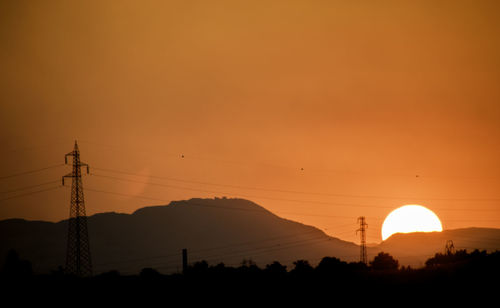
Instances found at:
x=410 y=218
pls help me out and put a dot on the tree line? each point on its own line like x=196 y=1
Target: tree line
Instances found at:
x=460 y=272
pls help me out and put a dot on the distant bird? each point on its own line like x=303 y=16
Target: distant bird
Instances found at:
x=301 y=169
x=182 y=156
x=417 y=176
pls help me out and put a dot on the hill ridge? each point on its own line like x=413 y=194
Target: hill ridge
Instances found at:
x=244 y=230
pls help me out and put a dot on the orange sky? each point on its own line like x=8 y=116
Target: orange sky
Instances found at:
x=363 y=95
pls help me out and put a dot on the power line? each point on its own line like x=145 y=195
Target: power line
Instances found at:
x=273 y=198
x=234 y=194
x=33 y=148
x=236 y=208
x=125 y=149
x=125 y=195
x=253 y=251
x=223 y=207
x=345 y=233
x=253 y=242
x=203 y=205
x=207 y=205
x=122 y=150
x=27 y=187
x=293 y=191
x=349 y=225
x=229 y=185
x=165 y=200
x=139 y=259
x=30 y=193
x=299 y=243
x=261 y=249
x=484 y=220
x=321 y=215
x=195 y=252
x=30 y=171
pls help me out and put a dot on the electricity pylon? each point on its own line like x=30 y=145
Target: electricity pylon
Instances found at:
x=450 y=248
x=78 y=261
x=362 y=229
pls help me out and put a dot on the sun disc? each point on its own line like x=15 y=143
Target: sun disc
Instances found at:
x=410 y=218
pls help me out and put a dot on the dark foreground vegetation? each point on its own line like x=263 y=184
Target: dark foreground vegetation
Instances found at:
x=453 y=276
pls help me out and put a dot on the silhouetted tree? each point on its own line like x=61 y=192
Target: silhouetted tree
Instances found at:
x=384 y=261
x=198 y=268
x=358 y=267
x=276 y=268
x=115 y=274
x=330 y=265
x=247 y=263
x=59 y=272
x=15 y=267
x=249 y=267
x=149 y=273
x=302 y=267
x=441 y=259
x=219 y=267
x=406 y=268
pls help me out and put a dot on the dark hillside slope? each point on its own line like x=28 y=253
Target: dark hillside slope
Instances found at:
x=217 y=230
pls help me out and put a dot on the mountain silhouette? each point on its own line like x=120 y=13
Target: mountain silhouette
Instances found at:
x=217 y=230
x=415 y=248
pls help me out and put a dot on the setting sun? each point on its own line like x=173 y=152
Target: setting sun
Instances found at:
x=410 y=218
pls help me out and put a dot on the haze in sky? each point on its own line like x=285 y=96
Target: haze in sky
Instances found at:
x=320 y=111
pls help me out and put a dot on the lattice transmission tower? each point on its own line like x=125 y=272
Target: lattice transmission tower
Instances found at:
x=449 y=248
x=78 y=261
x=362 y=248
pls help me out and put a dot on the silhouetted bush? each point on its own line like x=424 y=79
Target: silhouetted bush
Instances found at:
x=15 y=267
x=219 y=268
x=149 y=273
x=248 y=263
x=384 y=262
x=302 y=268
x=330 y=265
x=249 y=269
x=116 y=274
x=357 y=267
x=441 y=259
x=458 y=273
x=276 y=269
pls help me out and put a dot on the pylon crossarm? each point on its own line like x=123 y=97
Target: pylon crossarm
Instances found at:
x=86 y=165
x=69 y=175
x=72 y=153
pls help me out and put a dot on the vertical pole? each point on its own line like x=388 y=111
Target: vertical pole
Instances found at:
x=184 y=260
x=76 y=171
